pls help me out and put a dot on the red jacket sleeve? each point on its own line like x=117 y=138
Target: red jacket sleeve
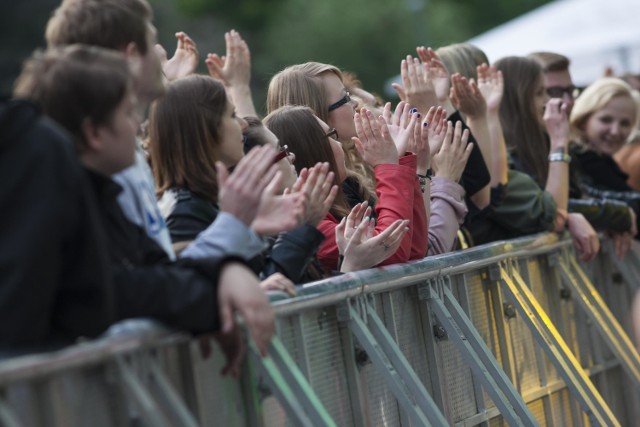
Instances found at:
x=399 y=197
x=419 y=221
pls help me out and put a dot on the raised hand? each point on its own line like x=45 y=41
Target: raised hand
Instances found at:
x=234 y=69
x=437 y=73
x=491 y=85
x=466 y=97
x=364 y=250
x=277 y=214
x=450 y=161
x=184 y=61
x=401 y=125
x=416 y=88
x=348 y=225
x=556 y=121
x=374 y=142
x=436 y=127
x=241 y=193
x=320 y=192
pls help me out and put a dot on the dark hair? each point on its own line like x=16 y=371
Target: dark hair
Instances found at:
x=523 y=132
x=253 y=134
x=110 y=24
x=74 y=84
x=183 y=133
x=298 y=128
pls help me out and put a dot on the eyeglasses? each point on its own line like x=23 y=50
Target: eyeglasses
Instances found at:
x=344 y=100
x=282 y=153
x=333 y=133
x=559 y=91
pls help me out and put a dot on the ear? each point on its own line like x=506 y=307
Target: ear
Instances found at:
x=91 y=134
x=131 y=49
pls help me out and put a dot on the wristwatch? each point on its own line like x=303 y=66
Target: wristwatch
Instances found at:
x=560 y=157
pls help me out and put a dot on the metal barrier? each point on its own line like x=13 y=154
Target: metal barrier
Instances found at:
x=511 y=333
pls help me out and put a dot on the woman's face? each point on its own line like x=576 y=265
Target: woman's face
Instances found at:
x=338 y=153
x=540 y=98
x=607 y=129
x=229 y=149
x=285 y=165
x=341 y=117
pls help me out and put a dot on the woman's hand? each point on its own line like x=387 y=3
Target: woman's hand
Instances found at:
x=466 y=97
x=450 y=161
x=401 y=125
x=184 y=61
x=374 y=142
x=364 y=250
x=585 y=239
x=491 y=85
x=417 y=90
x=234 y=69
x=320 y=192
x=348 y=225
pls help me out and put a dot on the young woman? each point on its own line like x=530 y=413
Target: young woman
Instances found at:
x=602 y=120
x=314 y=141
x=193 y=130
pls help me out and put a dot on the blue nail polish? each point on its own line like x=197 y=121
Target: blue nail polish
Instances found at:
x=418 y=115
x=413 y=110
x=424 y=124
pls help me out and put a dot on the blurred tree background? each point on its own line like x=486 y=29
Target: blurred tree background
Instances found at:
x=368 y=37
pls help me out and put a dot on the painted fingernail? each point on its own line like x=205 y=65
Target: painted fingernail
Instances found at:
x=424 y=124
x=413 y=110
x=419 y=115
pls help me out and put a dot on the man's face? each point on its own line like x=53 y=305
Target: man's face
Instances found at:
x=560 y=85
x=147 y=71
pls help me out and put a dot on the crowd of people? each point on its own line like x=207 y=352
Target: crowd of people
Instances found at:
x=135 y=187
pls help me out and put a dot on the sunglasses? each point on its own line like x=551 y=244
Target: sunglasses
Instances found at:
x=559 y=91
x=333 y=133
x=344 y=100
x=282 y=153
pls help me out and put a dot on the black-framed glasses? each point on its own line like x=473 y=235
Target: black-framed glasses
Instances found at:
x=339 y=103
x=333 y=133
x=559 y=91
x=282 y=153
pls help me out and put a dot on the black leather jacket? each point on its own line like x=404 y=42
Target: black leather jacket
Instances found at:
x=291 y=253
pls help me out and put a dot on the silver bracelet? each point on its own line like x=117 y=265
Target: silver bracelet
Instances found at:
x=560 y=157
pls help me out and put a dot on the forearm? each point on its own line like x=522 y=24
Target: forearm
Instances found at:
x=498 y=148
x=447 y=213
x=225 y=236
x=480 y=129
x=558 y=183
x=241 y=97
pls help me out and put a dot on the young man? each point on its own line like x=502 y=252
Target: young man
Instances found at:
x=557 y=79
x=109 y=269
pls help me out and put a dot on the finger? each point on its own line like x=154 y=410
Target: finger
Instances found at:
x=180 y=37
x=360 y=229
x=386 y=112
x=358 y=121
x=397 y=114
x=422 y=53
x=404 y=74
x=359 y=145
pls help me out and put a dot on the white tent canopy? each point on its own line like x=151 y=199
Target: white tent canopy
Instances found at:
x=592 y=33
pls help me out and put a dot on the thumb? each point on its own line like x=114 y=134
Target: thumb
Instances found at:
x=399 y=90
x=226 y=316
x=359 y=145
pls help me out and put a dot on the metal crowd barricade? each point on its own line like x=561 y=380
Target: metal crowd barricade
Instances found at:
x=511 y=333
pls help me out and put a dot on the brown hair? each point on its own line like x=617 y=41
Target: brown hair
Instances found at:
x=301 y=84
x=74 y=84
x=110 y=24
x=298 y=128
x=550 y=61
x=183 y=134
x=462 y=58
x=523 y=132
x=253 y=134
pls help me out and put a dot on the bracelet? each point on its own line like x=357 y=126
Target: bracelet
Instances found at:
x=560 y=157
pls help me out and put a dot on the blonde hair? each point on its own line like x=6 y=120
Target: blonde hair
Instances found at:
x=595 y=97
x=301 y=84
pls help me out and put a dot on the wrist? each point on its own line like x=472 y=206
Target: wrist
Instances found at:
x=559 y=156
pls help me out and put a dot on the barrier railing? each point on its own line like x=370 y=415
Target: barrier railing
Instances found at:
x=511 y=333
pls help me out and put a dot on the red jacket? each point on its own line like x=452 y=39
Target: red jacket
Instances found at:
x=399 y=197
